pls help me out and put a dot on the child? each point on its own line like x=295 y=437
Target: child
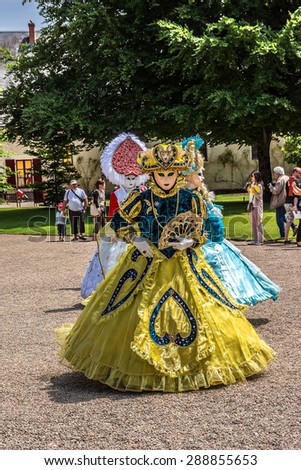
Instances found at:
x=60 y=222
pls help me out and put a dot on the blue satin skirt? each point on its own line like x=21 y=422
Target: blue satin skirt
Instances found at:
x=243 y=279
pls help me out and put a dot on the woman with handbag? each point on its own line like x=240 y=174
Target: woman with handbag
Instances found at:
x=255 y=207
x=98 y=207
x=244 y=280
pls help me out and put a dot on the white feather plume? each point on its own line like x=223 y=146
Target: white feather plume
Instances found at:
x=107 y=155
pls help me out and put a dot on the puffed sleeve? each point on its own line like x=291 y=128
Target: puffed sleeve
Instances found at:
x=124 y=221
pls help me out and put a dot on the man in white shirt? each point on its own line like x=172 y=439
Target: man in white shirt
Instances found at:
x=77 y=201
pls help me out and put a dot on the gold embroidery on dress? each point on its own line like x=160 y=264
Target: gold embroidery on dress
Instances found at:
x=202 y=204
x=148 y=203
x=129 y=199
x=125 y=216
x=135 y=211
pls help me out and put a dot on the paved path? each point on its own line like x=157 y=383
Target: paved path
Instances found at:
x=50 y=407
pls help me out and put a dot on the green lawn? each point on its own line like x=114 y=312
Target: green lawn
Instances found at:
x=237 y=197
x=40 y=220
x=33 y=221
x=237 y=222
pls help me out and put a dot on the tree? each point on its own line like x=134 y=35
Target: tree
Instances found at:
x=5 y=171
x=228 y=70
x=39 y=121
x=251 y=77
x=91 y=73
x=57 y=167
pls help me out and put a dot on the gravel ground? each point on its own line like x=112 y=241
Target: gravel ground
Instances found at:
x=50 y=407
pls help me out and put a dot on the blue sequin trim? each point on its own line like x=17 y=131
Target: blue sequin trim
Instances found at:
x=172 y=337
x=129 y=274
x=221 y=296
x=135 y=255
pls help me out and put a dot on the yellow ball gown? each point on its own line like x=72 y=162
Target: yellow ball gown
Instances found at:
x=164 y=323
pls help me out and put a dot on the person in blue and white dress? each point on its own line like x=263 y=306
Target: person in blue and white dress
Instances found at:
x=244 y=280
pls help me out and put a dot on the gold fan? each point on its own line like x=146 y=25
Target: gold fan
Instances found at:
x=185 y=225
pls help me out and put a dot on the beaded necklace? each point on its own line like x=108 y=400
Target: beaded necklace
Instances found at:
x=155 y=210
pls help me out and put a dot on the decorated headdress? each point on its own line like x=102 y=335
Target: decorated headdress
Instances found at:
x=163 y=157
x=119 y=159
x=197 y=140
x=192 y=146
x=194 y=173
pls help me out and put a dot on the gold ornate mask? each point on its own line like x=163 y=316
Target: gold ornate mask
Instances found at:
x=163 y=157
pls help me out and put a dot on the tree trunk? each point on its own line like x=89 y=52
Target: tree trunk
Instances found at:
x=264 y=143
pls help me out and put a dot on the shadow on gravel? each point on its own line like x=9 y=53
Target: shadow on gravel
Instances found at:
x=70 y=288
x=67 y=309
x=74 y=387
x=258 y=321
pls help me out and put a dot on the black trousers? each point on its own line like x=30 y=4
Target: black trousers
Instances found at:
x=77 y=221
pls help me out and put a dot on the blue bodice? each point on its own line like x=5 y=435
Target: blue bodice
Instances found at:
x=151 y=212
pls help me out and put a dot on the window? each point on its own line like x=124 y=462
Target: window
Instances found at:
x=24 y=173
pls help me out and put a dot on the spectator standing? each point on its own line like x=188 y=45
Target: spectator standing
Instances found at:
x=277 y=188
x=99 y=199
x=297 y=210
x=77 y=201
x=255 y=190
x=289 y=202
x=60 y=222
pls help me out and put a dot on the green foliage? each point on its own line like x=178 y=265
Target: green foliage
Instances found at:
x=250 y=76
x=3 y=153
x=227 y=156
x=225 y=69
x=5 y=171
x=292 y=149
x=247 y=77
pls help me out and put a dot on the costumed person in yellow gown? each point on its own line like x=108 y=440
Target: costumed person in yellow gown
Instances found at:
x=161 y=320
